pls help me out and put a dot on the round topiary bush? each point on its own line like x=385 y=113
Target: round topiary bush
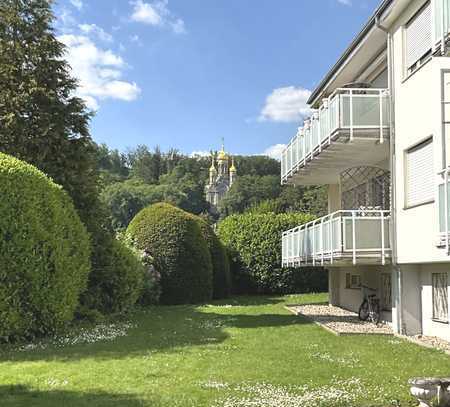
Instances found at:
x=220 y=262
x=180 y=253
x=118 y=284
x=254 y=241
x=44 y=252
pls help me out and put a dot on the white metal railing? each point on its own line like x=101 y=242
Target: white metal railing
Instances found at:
x=345 y=234
x=441 y=22
x=347 y=110
x=444 y=210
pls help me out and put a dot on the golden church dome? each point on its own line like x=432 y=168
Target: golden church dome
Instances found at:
x=232 y=168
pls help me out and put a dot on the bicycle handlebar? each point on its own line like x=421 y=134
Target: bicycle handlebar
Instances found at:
x=368 y=288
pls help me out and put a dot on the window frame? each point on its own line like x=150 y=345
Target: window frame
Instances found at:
x=410 y=70
x=422 y=143
x=438 y=318
x=350 y=284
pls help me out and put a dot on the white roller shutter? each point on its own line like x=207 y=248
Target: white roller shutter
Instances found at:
x=418 y=36
x=419 y=174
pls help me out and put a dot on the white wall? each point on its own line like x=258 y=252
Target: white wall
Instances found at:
x=417 y=117
x=351 y=298
x=430 y=327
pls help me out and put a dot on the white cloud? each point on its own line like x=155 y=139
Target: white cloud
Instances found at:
x=99 y=71
x=136 y=39
x=345 y=2
x=77 y=4
x=156 y=14
x=286 y=104
x=97 y=31
x=275 y=151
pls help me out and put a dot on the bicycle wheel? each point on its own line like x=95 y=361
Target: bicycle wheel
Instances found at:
x=363 y=312
x=375 y=314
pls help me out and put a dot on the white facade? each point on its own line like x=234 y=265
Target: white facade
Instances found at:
x=394 y=120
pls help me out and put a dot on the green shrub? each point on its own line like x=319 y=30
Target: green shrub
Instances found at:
x=117 y=286
x=254 y=242
x=220 y=262
x=44 y=252
x=174 y=240
x=151 y=291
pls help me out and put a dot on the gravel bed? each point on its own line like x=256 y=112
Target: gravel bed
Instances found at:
x=339 y=320
x=432 y=342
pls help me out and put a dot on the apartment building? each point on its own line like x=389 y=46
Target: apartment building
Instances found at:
x=379 y=139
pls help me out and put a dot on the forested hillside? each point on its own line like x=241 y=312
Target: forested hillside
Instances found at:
x=142 y=176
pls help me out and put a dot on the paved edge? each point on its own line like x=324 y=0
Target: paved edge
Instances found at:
x=334 y=332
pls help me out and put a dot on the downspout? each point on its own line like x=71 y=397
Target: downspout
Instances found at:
x=392 y=163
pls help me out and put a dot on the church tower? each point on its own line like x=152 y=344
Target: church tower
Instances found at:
x=220 y=178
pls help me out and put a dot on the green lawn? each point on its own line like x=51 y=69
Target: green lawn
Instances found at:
x=244 y=352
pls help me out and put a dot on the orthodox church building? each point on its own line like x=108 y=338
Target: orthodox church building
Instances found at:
x=221 y=177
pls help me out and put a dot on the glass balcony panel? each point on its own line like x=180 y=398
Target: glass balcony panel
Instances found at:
x=317 y=236
x=332 y=239
x=333 y=114
x=289 y=162
x=295 y=244
x=442 y=207
x=300 y=147
x=442 y=21
x=294 y=151
x=307 y=141
x=368 y=234
x=366 y=111
x=386 y=112
x=324 y=122
x=345 y=110
x=301 y=240
x=337 y=234
x=315 y=133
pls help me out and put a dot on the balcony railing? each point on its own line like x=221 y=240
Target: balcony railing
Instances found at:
x=441 y=22
x=444 y=211
x=347 y=112
x=353 y=236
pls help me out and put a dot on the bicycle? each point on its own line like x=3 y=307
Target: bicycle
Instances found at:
x=370 y=307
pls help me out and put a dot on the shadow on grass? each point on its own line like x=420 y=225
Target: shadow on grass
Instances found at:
x=161 y=329
x=20 y=396
x=308 y=303
x=250 y=300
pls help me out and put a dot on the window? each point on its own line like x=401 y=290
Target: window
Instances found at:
x=418 y=38
x=386 y=291
x=440 y=298
x=419 y=174
x=352 y=280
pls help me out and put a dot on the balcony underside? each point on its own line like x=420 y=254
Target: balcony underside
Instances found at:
x=341 y=259
x=332 y=158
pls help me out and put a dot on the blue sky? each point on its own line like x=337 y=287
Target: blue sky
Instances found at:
x=185 y=73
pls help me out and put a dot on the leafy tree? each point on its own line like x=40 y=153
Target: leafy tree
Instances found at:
x=257 y=165
x=254 y=241
x=112 y=164
x=42 y=122
x=249 y=190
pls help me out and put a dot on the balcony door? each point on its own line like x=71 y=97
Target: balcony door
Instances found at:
x=365 y=188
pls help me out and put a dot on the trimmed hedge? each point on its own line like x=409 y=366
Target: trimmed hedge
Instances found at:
x=220 y=262
x=117 y=286
x=44 y=252
x=254 y=242
x=180 y=253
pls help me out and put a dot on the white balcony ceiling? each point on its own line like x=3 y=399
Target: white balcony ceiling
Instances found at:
x=340 y=155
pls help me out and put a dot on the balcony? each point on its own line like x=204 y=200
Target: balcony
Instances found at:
x=340 y=238
x=444 y=211
x=349 y=129
x=441 y=9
